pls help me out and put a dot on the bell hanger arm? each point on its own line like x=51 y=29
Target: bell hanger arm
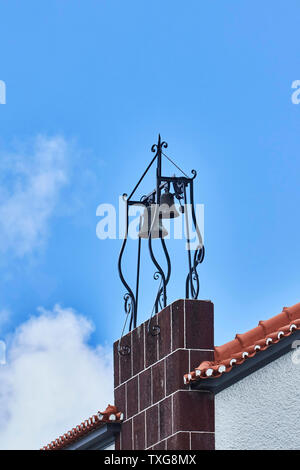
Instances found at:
x=145 y=199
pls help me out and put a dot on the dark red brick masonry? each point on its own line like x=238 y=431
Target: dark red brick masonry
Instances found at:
x=159 y=411
x=247 y=345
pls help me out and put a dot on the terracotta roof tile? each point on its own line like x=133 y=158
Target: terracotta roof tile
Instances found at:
x=248 y=344
x=110 y=415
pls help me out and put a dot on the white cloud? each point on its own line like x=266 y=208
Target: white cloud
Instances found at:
x=53 y=379
x=31 y=181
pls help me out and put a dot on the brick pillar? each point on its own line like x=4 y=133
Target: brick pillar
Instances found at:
x=160 y=412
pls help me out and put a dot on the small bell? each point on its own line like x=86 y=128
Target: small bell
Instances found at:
x=167 y=206
x=152 y=222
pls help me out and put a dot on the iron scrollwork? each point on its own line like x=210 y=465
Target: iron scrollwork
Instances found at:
x=129 y=298
x=161 y=297
x=192 y=280
x=163 y=183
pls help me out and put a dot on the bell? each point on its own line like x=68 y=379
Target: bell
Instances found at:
x=152 y=222
x=167 y=206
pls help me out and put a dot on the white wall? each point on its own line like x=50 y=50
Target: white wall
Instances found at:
x=262 y=411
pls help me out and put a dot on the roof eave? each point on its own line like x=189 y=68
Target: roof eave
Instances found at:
x=97 y=439
x=261 y=359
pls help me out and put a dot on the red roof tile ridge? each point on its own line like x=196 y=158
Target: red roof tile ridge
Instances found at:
x=111 y=415
x=248 y=344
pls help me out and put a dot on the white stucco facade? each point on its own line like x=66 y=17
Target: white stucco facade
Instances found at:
x=261 y=411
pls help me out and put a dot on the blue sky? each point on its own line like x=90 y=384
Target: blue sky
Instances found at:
x=99 y=80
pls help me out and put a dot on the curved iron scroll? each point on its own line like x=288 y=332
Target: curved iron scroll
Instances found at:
x=161 y=298
x=160 y=294
x=193 y=278
x=194 y=281
x=156 y=148
x=192 y=284
x=129 y=298
x=153 y=330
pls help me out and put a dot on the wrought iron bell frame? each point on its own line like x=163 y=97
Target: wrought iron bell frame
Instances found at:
x=181 y=185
